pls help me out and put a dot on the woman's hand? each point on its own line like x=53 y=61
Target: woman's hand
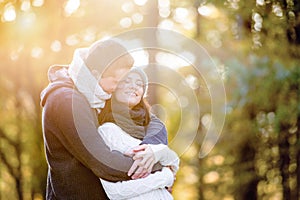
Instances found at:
x=144 y=161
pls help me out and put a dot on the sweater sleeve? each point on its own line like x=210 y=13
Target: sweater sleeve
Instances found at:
x=157 y=138
x=156 y=132
x=165 y=156
x=120 y=141
x=133 y=188
x=116 y=139
x=78 y=133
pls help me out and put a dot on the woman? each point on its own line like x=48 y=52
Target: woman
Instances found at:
x=127 y=113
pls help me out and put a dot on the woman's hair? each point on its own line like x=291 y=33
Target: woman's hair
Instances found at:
x=143 y=107
x=139 y=114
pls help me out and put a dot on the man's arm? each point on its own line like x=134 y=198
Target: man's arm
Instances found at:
x=78 y=126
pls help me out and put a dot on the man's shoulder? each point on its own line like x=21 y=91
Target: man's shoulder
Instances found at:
x=67 y=94
x=64 y=97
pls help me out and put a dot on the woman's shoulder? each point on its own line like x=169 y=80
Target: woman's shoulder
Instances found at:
x=109 y=126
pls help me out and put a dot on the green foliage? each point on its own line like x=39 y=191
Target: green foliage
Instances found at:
x=258 y=152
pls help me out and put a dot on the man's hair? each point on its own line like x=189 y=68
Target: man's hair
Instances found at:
x=104 y=52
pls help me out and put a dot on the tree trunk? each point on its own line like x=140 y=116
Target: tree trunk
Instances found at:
x=284 y=162
x=152 y=21
x=298 y=158
x=196 y=5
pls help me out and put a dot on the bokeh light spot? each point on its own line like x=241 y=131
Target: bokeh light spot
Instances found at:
x=137 y=18
x=9 y=13
x=71 y=7
x=211 y=177
x=38 y=3
x=164 y=3
x=208 y=11
x=37 y=52
x=164 y=12
x=72 y=40
x=126 y=22
x=56 y=46
x=127 y=7
x=140 y=2
x=166 y=24
x=25 y=6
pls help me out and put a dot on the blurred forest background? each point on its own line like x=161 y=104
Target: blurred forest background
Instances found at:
x=255 y=44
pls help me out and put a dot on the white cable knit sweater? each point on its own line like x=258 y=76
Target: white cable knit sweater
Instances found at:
x=150 y=188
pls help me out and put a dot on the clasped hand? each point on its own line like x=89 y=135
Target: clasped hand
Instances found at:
x=144 y=161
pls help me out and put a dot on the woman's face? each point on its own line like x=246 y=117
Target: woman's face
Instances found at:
x=130 y=90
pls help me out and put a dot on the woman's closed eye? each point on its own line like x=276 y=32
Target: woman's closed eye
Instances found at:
x=128 y=81
x=139 y=83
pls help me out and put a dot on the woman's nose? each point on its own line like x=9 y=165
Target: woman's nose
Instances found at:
x=132 y=85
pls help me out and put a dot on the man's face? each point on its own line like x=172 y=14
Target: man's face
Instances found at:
x=110 y=83
x=112 y=76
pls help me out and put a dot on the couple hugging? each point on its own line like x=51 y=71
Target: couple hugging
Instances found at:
x=101 y=141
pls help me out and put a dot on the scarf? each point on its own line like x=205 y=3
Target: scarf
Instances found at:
x=132 y=121
x=85 y=82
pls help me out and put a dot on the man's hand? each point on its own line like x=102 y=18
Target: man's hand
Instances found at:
x=144 y=161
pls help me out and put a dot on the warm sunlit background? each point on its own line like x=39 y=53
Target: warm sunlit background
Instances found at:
x=254 y=44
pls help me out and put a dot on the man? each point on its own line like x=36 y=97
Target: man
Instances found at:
x=76 y=154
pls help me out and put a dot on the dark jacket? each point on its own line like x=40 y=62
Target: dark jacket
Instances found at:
x=76 y=155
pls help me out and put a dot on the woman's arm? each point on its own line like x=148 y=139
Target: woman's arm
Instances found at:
x=156 y=132
x=133 y=188
x=157 y=153
x=165 y=156
x=157 y=139
x=118 y=140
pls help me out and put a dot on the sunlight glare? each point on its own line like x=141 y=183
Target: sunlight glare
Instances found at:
x=206 y=120
x=258 y=20
x=56 y=46
x=166 y=24
x=181 y=14
x=184 y=101
x=37 y=52
x=170 y=60
x=71 y=7
x=218 y=160
x=260 y=2
x=14 y=55
x=192 y=82
x=164 y=3
x=126 y=22
x=72 y=40
x=277 y=10
x=127 y=7
x=164 y=12
x=137 y=18
x=208 y=11
x=9 y=13
x=25 y=6
x=141 y=57
x=140 y=2
x=211 y=177
x=89 y=35
x=27 y=20
x=38 y=3
x=189 y=25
